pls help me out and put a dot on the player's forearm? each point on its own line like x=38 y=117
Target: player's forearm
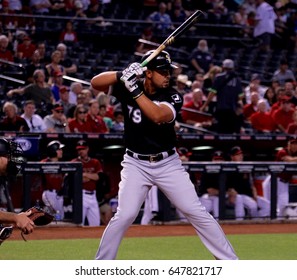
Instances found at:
x=158 y=113
x=208 y=100
x=92 y=176
x=103 y=80
x=7 y=217
x=289 y=159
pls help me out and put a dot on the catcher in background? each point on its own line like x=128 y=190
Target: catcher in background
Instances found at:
x=10 y=158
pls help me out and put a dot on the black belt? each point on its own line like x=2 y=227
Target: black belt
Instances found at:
x=89 y=193
x=283 y=180
x=151 y=158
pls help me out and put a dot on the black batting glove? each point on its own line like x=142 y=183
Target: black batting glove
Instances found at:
x=130 y=81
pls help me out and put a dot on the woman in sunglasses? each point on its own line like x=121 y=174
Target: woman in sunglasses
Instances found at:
x=79 y=122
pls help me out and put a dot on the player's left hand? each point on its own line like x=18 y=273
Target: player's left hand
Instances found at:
x=134 y=68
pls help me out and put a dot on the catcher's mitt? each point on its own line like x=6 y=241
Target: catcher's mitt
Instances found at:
x=39 y=216
x=5 y=232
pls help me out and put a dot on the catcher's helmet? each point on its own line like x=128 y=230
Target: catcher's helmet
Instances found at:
x=4 y=147
x=53 y=147
x=162 y=61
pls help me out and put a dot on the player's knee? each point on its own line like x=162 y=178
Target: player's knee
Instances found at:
x=127 y=217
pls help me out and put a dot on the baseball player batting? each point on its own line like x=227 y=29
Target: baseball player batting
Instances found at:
x=150 y=107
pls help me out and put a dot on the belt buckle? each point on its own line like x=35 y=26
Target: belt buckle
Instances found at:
x=153 y=158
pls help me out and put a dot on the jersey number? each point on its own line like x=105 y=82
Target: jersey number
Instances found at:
x=134 y=115
x=232 y=83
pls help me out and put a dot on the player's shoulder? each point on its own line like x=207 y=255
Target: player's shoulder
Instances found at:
x=174 y=97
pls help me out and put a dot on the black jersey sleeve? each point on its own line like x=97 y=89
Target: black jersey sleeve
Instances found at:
x=174 y=100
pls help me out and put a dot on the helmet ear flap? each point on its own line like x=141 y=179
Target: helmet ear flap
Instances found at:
x=51 y=151
x=52 y=148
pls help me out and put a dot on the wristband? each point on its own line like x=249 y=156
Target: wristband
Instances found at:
x=137 y=95
x=119 y=74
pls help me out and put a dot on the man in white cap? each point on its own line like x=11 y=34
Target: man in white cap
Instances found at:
x=228 y=90
x=183 y=84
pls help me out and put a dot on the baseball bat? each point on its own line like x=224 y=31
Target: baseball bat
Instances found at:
x=76 y=80
x=150 y=43
x=197 y=112
x=174 y=35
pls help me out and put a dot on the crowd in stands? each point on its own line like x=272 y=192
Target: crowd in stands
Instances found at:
x=60 y=106
x=53 y=93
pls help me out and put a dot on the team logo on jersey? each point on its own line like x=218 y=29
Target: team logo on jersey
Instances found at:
x=176 y=98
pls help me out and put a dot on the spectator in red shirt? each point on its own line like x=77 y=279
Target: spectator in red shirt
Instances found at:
x=5 y=53
x=286 y=154
x=249 y=109
x=68 y=34
x=12 y=121
x=79 y=123
x=195 y=118
x=262 y=121
x=283 y=115
x=94 y=120
x=292 y=127
x=26 y=49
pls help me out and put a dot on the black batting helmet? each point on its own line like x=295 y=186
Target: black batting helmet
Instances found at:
x=4 y=147
x=53 y=147
x=162 y=61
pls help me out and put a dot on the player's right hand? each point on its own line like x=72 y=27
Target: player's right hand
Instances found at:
x=130 y=82
x=129 y=79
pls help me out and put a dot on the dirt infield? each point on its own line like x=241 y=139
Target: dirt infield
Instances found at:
x=72 y=231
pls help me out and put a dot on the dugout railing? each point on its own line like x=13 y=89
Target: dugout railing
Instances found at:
x=273 y=168
x=72 y=169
